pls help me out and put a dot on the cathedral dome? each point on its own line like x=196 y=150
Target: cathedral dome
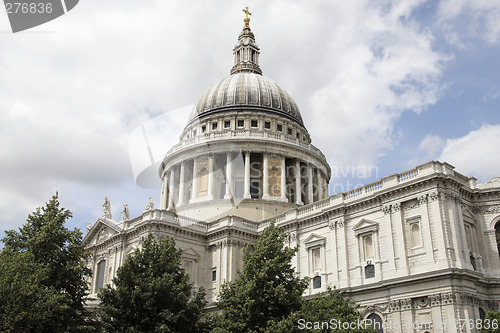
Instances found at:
x=246 y=90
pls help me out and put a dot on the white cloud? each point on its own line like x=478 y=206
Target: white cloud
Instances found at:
x=475 y=154
x=390 y=68
x=431 y=146
x=480 y=17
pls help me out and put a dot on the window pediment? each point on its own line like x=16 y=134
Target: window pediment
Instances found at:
x=190 y=254
x=365 y=226
x=314 y=240
x=468 y=215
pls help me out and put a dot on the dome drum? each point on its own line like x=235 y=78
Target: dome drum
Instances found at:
x=241 y=178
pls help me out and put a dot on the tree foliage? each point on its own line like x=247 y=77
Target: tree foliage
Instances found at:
x=328 y=312
x=266 y=291
x=42 y=275
x=152 y=293
x=491 y=323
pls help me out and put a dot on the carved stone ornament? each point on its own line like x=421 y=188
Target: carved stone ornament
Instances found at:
x=414 y=203
x=448 y=298
x=396 y=207
x=422 y=200
x=421 y=302
x=336 y=224
x=103 y=234
x=488 y=210
x=433 y=196
x=386 y=209
x=435 y=299
x=406 y=304
x=394 y=306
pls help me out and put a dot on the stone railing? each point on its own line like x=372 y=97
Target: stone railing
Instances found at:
x=368 y=190
x=243 y=134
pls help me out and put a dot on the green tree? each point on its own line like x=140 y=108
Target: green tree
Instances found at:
x=328 y=312
x=266 y=291
x=42 y=275
x=491 y=322
x=152 y=293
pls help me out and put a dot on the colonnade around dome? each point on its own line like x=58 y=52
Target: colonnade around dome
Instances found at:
x=238 y=176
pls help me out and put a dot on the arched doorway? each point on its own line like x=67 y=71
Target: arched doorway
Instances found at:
x=376 y=322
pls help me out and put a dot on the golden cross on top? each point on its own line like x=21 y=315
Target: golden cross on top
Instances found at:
x=246 y=11
x=246 y=19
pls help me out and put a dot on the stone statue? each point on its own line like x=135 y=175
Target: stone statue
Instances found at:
x=106 y=208
x=125 y=213
x=89 y=226
x=150 y=205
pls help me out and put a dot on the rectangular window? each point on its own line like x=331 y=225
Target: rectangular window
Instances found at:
x=267 y=125
x=203 y=129
x=368 y=246
x=279 y=128
x=227 y=123
x=214 y=126
x=241 y=123
x=100 y=275
x=316 y=259
x=289 y=131
x=254 y=123
x=214 y=275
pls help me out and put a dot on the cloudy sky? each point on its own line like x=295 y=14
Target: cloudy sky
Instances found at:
x=382 y=86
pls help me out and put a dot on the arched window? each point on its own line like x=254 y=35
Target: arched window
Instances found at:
x=375 y=322
x=416 y=240
x=497 y=234
x=482 y=314
x=317 y=282
x=101 y=266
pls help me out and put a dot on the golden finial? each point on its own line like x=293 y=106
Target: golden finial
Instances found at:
x=246 y=19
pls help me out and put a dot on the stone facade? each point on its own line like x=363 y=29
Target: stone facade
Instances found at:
x=417 y=250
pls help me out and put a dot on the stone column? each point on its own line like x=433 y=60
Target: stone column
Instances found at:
x=194 y=187
x=171 y=189
x=283 y=179
x=181 y=184
x=310 y=197
x=210 y=176
x=265 y=176
x=229 y=176
x=319 y=189
x=247 y=175
x=298 y=186
x=164 y=192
